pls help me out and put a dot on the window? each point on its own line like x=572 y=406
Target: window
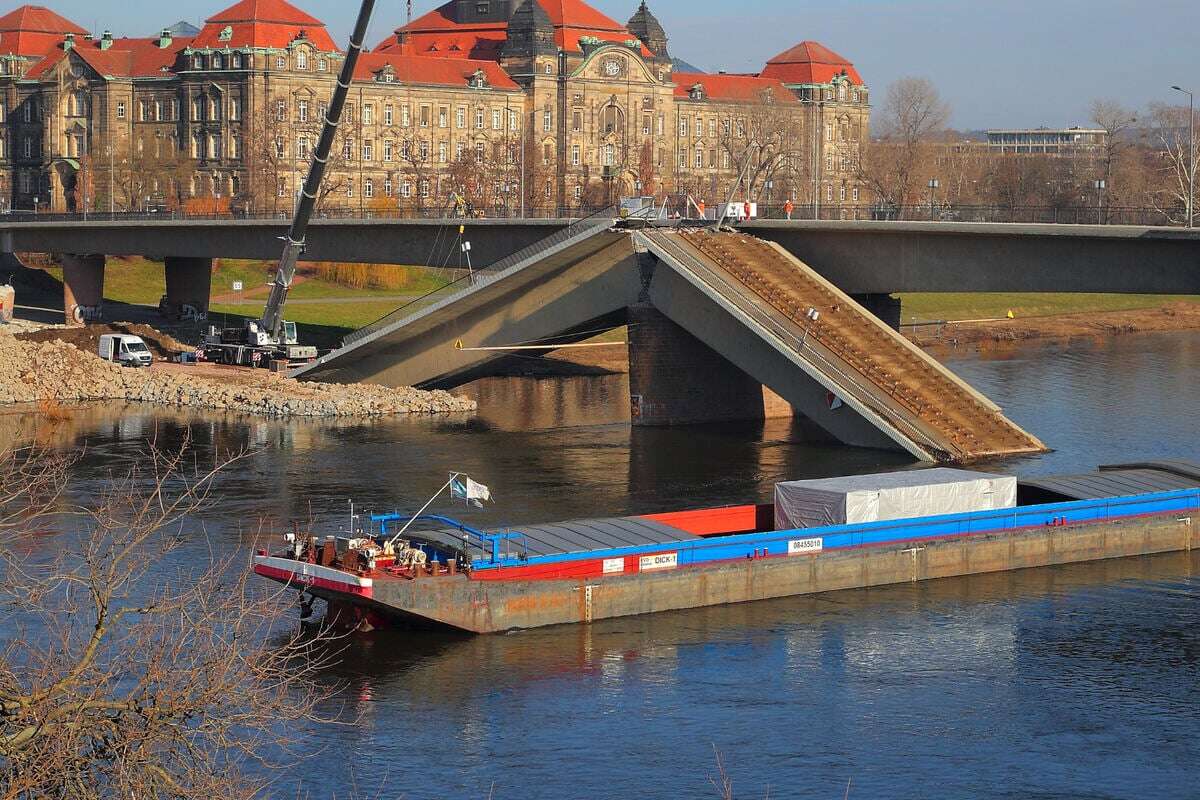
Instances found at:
x=217 y=61
x=214 y=146
x=843 y=194
x=443 y=152
x=725 y=129
x=547 y=121
x=387 y=186
x=281 y=110
x=725 y=159
x=496 y=119
x=388 y=117
x=387 y=149
x=546 y=154
x=350 y=188
x=609 y=155
x=368 y=150
x=405 y=149
x=405 y=116
x=406 y=189
x=120 y=110
x=29 y=147
x=575 y=155
x=369 y=188
x=197 y=62
x=198 y=109
x=279 y=148
x=659 y=125
x=460 y=118
x=235 y=147
x=281 y=62
x=549 y=71
x=458 y=151
x=158 y=111
x=175 y=109
x=425 y=116
x=443 y=117
x=829 y=193
x=479 y=119
x=683 y=159
x=512 y=120
x=322 y=64
x=424 y=150
x=349 y=113
x=828 y=132
x=281 y=188
x=3 y=112
x=301 y=59
x=235 y=61
x=483 y=8
x=29 y=111
x=235 y=185
x=302 y=147
x=829 y=163
x=424 y=188
x=578 y=193
x=576 y=121
x=143 y=111
x=348 y=150
x=368 y=114
x=854 y=194
x=645 y=125
x=302 y=110
x=235 y=108
x=683 y=126
x=214 y=108
x=699 y=158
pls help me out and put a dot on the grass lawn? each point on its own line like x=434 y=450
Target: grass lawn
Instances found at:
x=959 y=306
x=342 y=316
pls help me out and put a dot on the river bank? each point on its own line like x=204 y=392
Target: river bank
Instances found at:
x=55 y=371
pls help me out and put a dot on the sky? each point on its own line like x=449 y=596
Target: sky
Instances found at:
x=1016 y=63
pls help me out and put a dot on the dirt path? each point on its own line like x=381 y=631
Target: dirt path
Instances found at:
x=257 y=293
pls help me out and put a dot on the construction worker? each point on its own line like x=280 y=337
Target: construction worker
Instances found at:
x=700 y=208
x=788 y=208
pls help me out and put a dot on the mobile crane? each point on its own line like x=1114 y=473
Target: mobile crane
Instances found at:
x=271 y=339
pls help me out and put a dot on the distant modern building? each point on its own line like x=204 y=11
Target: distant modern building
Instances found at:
x=1051 y=141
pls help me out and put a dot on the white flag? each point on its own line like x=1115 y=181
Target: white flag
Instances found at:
x=463 y=488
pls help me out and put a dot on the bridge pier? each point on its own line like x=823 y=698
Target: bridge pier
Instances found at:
x=189 y=283
x=83 y=287
x=884 y=306
x=676 y=379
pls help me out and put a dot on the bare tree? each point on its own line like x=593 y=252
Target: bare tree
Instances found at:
x=1172 y=137
x=763 y=141
x=912 y=116
x=134 y=667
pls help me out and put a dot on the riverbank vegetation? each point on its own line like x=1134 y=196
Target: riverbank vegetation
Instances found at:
x=134 y=663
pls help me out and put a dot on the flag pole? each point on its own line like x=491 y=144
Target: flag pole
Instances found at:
x=453 y=476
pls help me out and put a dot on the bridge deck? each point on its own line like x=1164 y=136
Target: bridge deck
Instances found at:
x=863 y=358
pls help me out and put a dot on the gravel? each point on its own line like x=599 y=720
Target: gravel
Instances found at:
x=32 y=371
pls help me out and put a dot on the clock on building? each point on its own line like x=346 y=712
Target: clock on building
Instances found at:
x=614 y=67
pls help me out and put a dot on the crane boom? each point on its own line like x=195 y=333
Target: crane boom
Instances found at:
x=272 y=319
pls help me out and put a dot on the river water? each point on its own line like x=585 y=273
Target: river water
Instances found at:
x=1072 y=682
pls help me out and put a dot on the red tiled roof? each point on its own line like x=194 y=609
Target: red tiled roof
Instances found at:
x=126 y=58
x=263 y=23
x=34 y=31
x=731 y=88
x=431 y=71
x=438 y=33
x=810 y=62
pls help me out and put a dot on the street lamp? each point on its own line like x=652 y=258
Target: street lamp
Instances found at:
x=934 y=185
x=1191 y=198
x=1100 y=186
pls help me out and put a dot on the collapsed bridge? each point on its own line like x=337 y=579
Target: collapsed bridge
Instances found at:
x=713 y=318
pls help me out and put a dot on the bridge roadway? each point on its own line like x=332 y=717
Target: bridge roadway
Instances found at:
x=858 y=257
x=714 y=317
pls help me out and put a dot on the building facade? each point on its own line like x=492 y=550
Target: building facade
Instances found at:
x=506 y=106
x=1048 y=141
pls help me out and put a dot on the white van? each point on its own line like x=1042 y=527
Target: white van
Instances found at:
x=124 y=349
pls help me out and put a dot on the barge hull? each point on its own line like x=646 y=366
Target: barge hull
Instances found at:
x=500 y=605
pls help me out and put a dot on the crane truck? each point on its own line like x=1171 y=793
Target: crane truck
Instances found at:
x=271 y=340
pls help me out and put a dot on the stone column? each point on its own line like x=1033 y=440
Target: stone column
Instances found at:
x=675 y=379
x=884 y=306
x=189 y=283
x=83 y=287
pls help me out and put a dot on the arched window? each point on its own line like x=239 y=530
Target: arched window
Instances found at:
x=611 y=120
x=301 y=59
x=217 y=61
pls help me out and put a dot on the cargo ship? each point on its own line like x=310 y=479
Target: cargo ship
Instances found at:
x=431 y=570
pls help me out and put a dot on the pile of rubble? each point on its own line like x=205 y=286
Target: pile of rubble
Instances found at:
x=31 y=371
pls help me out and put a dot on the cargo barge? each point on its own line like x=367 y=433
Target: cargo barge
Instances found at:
x=431 y=570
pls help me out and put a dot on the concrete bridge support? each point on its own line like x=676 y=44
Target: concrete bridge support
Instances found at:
x=676 y=379
x=83 y=286
x=189 y=283
x=885 y=307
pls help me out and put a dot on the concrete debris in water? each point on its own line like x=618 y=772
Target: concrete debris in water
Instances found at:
x=54 y=370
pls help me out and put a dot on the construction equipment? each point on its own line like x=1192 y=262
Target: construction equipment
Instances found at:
x=269 y=339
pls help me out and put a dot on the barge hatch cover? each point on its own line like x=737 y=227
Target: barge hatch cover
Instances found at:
x=580 y=536
x=1115 y=480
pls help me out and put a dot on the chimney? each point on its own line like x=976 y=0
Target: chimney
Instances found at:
x=106 y=40
x=69 y=42
x=164 y=39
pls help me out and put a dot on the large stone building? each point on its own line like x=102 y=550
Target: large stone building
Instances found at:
x=513 y=104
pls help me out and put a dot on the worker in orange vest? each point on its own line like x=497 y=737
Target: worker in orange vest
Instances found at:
x=700 y=208
x=788 y=208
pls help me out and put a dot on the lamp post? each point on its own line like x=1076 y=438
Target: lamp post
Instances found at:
x=1191 y=198
x=1100 y=186
x=934 y=184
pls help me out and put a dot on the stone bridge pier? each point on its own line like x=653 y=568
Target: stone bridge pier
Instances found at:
x=189 y=285
x=83 y=286
x=188 y=280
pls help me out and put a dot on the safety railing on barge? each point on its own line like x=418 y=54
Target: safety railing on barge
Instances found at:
x=844 y=537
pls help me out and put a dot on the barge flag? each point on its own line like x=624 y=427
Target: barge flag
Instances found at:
x=463 y=488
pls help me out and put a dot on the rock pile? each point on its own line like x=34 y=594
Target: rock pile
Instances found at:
x=54 y=370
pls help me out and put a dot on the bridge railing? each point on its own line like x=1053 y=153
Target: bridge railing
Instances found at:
x=284 y=215
x=483 y=276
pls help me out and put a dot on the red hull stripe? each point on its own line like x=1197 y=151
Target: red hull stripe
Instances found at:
x=285 y=571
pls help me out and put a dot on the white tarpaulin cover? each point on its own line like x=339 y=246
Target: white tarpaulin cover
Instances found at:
x=892 y=495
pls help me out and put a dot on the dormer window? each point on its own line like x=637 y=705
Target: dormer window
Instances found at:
x=226 y=34
x=235 y=61
x=322 y=64
x=479 y=80
x=281 y=62
x=483 y=8
x=197 y=62
x=697 y=92
x=218 y=62
x=386 y=75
